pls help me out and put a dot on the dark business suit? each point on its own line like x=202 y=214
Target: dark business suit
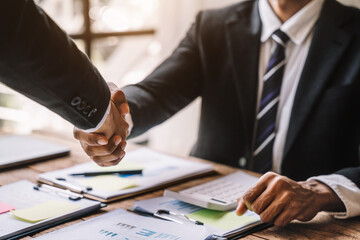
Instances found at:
x=218 y=60
x=40 y=61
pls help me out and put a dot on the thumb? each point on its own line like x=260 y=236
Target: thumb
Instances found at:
x=241 y=208
x=120 y=102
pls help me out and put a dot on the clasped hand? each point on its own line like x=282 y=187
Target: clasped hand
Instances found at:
x=106 y=146
x=279 y=200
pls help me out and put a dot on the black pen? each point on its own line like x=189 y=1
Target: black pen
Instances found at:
x=98 y=173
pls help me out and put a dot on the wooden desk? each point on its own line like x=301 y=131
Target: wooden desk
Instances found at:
x=322 y=227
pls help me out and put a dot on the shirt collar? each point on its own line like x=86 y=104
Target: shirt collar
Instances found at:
x=298 y=27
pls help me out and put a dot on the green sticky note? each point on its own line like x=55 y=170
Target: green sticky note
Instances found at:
x=223 y=220
x=122 y=166
x=108 y=183
x=44 y=211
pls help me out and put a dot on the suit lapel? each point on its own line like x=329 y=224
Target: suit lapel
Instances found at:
x=328 y=45
x=243 y=31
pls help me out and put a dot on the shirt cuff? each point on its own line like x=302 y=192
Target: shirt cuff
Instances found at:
x=99 y=125
x=346 y=190
x=129 y=121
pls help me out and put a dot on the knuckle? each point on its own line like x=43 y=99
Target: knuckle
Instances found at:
x=280 y=182
x=75 y=134
x=121 y=94
x=287 y=195
x=110 y=148
x=270 y=175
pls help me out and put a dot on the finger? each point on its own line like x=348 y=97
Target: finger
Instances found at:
x=120 y=102
x=241 y=208
x=118 y=153
x=307 y=214
x=255 y=191
x=263 y=201
x=271 y=212
x=123 y=145
x=111 y=163
x=284 y=218
x=106 y=150
x=91 y=139
x=124 y=108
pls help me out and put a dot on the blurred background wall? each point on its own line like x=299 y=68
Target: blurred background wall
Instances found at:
x=126 y=40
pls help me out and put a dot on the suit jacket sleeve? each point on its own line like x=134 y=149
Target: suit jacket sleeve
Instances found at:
x=40 y=61
x=172 y=85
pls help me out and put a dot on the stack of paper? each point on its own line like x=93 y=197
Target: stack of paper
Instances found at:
x=158 y=169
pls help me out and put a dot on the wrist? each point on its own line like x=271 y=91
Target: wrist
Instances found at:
x=326 y=198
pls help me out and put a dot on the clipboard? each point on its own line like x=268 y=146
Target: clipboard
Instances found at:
x=160 y=170
x=24 y=194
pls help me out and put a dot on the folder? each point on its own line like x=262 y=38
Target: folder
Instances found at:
x=158 y=170
x=218 y=224
x=27 y=208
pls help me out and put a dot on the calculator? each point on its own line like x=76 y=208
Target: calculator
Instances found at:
x=220 y=194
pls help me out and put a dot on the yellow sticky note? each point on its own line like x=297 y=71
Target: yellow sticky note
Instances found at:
x=44 y=211
x=108 y=183
x=122 y=166
x=222 y=220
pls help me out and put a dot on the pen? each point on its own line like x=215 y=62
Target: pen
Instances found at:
x=66 y=193
x=98 y=173
x=145 y=213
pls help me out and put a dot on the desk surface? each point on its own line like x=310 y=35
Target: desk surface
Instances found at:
x=321 y=227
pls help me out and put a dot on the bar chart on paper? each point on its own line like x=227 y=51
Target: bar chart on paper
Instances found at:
x=121 y=225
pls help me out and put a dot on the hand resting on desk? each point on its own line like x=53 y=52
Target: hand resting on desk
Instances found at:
x=279 y=200
x=106 y=145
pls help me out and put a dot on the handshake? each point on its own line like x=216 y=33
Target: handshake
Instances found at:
x=106 y=146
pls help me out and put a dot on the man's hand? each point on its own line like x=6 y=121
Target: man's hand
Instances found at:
x=106 y=146
x=279 y=200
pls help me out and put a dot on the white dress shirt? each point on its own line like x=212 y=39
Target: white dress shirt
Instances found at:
x=300 y=29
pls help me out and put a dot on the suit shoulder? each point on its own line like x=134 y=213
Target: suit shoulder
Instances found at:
x=353 y=22
x=220 y=15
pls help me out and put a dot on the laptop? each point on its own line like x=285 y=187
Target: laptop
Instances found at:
x=19 y=150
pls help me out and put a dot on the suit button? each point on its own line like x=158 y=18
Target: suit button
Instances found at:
x=87 y=110
x=242 y=162
x=92 y=112
x=81 y=106
x=75 y=101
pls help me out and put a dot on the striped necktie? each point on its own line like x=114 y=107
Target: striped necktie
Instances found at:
x=266 y=116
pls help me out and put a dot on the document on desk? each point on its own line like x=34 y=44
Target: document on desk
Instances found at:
x=219 y=223
x=122 y=225
x=158 y=169
x=26 y=207
x=19 y=150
